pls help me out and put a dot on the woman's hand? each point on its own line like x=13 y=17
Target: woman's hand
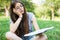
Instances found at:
x=17 y=12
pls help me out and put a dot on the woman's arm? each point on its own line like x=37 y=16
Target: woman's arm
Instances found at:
x=35 y=23
x=14 y=26
x=42 y=35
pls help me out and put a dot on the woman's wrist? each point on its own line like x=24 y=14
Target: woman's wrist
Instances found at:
x=20 y=16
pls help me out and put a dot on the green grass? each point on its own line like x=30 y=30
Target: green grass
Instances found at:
x=53 y=34
x=4 y=27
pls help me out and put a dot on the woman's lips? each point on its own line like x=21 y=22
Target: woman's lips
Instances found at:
x=21 y=11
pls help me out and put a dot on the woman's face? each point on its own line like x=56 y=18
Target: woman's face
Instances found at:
x=19 y=7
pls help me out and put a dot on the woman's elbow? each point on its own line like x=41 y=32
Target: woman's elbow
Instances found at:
x=12 y=29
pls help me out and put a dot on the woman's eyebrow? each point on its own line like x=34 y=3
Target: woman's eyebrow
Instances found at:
x=18 y=6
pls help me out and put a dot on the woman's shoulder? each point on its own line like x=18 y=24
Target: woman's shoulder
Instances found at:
x=30 y=14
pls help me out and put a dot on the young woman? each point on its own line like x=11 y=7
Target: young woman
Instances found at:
x=21 y=23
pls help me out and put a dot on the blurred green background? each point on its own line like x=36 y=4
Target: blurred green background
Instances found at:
x=47 y=13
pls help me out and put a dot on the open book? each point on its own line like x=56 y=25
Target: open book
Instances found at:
x=38 y=31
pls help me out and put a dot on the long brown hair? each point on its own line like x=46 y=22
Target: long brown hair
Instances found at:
x=23 y=27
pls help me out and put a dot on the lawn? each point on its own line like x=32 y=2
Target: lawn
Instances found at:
x=53 y=34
